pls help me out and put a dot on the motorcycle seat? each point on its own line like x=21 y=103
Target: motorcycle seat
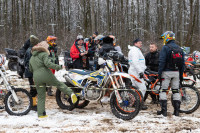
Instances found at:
x=81 y=72
x=150 y=72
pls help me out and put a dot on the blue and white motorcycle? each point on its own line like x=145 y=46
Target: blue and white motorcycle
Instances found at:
x=92 y=85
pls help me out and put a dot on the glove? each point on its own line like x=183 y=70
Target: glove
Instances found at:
x=141 y=75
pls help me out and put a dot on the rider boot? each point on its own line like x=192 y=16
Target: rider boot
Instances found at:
x=74 y=98
x=1 y=107
x=34 y=107
x=154 y=99
x=43 y=116
x=163 y=104
x=144 y=107
x=34 y=101
x=176 y=104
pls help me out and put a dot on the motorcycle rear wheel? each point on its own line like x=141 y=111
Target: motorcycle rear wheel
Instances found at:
x=64 y=102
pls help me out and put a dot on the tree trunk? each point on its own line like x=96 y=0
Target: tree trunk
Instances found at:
x=5 y=10
x=191 y=24
x=33 y=17
x=22 y=20
x=108 y=16
x=92 y=16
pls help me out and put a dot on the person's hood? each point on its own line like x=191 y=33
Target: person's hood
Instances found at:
x=40 y=47
x=130 y=47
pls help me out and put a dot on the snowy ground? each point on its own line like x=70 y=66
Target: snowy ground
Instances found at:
x=95 y=118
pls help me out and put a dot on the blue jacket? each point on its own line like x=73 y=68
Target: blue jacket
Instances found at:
x=165 y=57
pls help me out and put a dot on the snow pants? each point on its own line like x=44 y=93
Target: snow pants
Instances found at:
x=173 y=77
x=41 y=80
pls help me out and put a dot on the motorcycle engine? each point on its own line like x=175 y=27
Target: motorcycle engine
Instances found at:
x=92 y=93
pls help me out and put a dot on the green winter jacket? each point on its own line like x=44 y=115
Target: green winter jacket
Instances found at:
x=40 y=64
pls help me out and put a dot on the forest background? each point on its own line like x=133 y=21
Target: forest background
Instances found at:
x=125 y=19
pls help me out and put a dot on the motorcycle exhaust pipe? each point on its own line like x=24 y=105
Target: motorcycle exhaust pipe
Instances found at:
x=67 y=78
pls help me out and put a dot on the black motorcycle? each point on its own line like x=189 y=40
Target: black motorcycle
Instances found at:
x=15 y=61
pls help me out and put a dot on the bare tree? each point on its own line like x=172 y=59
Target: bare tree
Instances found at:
x=33 y=16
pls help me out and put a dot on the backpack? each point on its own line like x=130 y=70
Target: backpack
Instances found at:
x=176 y=58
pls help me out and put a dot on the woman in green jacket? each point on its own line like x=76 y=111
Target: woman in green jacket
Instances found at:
x=40 y=66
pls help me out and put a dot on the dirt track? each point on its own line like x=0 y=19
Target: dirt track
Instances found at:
x=95 y=118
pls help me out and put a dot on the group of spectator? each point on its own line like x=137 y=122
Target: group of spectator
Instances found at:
x=41 y=61
x=169 y=63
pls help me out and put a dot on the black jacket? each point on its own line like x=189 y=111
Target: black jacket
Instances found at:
x=27 y=57
x=107 y=46
x=165 y=58
x=152 y=60
x=23 y=50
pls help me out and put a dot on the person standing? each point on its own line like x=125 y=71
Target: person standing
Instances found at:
x=152 y=60
x=40 y=66
x=137 y=66
x=92 y=45
x=171 y=67
x=53 y=56
x=33 y=92
x=79 y=53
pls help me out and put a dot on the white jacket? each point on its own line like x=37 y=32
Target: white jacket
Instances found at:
x=136 y=61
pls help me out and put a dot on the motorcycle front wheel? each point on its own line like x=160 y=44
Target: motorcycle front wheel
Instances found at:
x=190 y=99
x=130 y=106
x=21 y=108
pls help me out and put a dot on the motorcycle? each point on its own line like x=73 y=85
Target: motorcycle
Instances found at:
x=15 y=61
x=92 y=85
x=190 y=96
x=17 y=101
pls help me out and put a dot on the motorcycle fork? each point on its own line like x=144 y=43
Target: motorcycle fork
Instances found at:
x=8 y=85
x=121 y=80
x=119 y=99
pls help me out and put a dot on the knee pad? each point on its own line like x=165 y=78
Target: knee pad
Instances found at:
x=163 y=90
x=175 y=91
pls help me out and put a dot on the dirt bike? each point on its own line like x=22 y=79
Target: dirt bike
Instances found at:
x=193 y=64
x=15 y=61
x=189 y=73
x=17 y=100
x=91 y=86
x=190 y=96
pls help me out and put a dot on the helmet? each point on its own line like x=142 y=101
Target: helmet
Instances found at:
x=196 y=55
x=86 y=40
x=50 y=39
x=167 y=36
x=99 y=37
